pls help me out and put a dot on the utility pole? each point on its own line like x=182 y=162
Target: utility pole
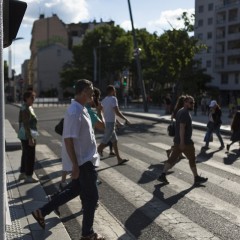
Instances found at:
x=139 y=69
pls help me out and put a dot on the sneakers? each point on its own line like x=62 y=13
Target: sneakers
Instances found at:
x=162 y=178
x=62 y=185
x=22 y=176
x=199 y=180
x=205 y=147
x=168 y=152
x=93 y=236
x=221 y=147
x=30 y=180
x=228 y=147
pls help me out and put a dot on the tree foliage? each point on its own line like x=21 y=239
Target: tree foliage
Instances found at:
x=167 y=60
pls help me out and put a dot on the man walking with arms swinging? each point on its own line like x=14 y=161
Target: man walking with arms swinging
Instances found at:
x=183 y=143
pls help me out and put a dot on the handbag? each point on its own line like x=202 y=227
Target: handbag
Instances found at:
x=210 y=138
x=59 y=127
x=171 y=129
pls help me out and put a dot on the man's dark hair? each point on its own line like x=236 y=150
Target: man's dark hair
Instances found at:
x=81 y=85
x=109 y=89
x=27 y=95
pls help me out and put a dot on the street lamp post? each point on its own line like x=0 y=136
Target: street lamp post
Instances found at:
x=10 y=72
x=139 y=70
x=97 y=63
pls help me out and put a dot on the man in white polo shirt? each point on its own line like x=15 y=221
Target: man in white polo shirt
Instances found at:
x=80 y=150
x=110 y=111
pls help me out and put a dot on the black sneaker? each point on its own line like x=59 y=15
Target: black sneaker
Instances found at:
x=199 y=180
x=162 y=178
x=228 y=147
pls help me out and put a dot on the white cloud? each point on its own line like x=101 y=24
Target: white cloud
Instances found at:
x=168 y=20
x=126 y=25
x=67 y=10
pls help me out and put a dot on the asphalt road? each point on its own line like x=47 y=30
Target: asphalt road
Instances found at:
x=131 y=195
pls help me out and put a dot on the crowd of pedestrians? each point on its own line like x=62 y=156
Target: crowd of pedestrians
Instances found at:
x=81 y=155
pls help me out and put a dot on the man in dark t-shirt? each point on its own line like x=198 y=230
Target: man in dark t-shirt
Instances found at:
x=183 y=142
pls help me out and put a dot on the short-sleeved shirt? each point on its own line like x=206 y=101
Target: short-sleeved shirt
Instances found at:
x=78 y=125
x=93 y=115
x=184 y=117
x=109 y=103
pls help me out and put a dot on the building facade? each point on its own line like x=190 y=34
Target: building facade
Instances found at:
x=51 y=48
x=217 y=25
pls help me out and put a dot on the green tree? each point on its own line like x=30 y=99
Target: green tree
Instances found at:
x=113 y=47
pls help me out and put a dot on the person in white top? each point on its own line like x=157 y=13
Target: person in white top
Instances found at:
x=79 y=147
x=110 y=111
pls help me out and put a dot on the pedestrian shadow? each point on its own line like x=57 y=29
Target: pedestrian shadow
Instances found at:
x=151 y=173
x=145 y=215
x=231 y=157
x=204 y=156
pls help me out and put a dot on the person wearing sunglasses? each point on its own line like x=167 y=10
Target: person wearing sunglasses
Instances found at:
x=183 y=143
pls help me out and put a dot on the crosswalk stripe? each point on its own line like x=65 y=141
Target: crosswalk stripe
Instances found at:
x=44 y=133
x=202 y=198
x=104 y=221
x=167 y=218
x=231 y=186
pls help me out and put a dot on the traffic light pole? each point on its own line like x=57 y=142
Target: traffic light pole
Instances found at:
x=139 y=70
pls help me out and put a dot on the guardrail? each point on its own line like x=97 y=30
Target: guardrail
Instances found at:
x=51 y=102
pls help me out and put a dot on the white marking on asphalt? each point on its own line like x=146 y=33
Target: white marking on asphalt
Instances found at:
x=213 y=163
x=104 y=222
x=218 y=206
x=173 y=222
x=44 y=133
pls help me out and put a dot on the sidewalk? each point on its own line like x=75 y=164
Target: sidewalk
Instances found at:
x=24 y=198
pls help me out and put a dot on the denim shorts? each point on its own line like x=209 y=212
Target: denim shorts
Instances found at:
x=109 y=133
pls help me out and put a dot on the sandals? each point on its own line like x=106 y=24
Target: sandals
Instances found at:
x=37 y=215
x=94 y=236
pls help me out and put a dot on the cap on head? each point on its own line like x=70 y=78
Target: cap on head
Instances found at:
x=213 y=103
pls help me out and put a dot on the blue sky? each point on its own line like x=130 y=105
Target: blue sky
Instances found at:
x=154 y=15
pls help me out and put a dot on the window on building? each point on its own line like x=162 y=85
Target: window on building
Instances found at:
x=200 y=36
x=210 y=21
x=209 y=63
x=200 y=9
x=209 y=35
x=74 y=33
x=224 y=78
x=200 y=23
x=210 y=6
x=209 y=49
x=236 y=76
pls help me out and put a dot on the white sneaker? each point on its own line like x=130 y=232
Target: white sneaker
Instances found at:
x=22 y=176
x=30 y=180
x=62 y=185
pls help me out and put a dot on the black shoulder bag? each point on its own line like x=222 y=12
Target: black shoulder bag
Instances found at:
x=59 y=127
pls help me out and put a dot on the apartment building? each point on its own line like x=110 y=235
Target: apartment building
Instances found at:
x=217 y=25
x=51 y=48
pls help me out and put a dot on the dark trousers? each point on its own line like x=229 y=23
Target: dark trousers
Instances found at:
x=210 y=131
x=28 y=158
x=85 y=187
